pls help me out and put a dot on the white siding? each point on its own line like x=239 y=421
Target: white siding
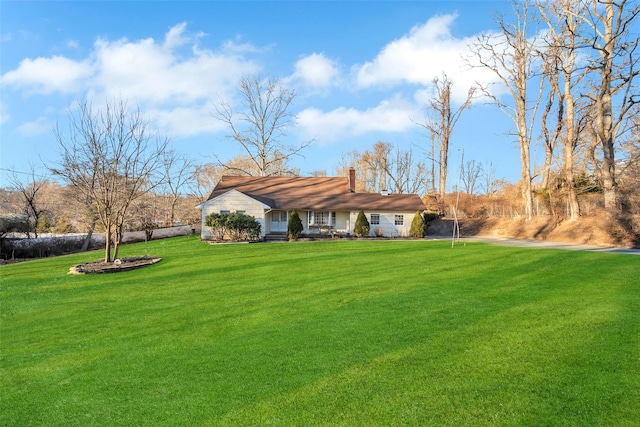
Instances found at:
x=387 y=225
x=342 y=222
x=233 y=201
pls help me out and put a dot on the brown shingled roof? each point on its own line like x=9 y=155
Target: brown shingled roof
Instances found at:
x=314 y=193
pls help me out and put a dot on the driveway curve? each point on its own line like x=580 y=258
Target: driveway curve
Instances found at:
x=541 y=244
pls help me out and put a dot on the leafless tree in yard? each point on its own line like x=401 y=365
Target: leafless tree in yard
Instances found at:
x=110 y=157
x=178 y=173
x=490 y=184
x=566 y=80
x=551 y=125
x=470 y=175
x=616 y=67
x=261 y=124
x=206 y=176
x=629 y=166
x=511 y=54
x=441 y=121
x=31 y=188
x=386 y=167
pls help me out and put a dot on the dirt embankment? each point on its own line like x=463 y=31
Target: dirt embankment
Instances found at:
x=601 y=230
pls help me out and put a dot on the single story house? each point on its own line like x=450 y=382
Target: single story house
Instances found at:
x=326 y=205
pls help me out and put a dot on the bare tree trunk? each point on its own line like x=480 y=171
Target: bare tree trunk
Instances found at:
x=569 y=148
x=444 y=165
x=117 y=241
x=433 y=165
x=87 y=240
x=525 y=164
x=107 y=246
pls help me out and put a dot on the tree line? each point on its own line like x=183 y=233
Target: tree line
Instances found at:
x=569 y=67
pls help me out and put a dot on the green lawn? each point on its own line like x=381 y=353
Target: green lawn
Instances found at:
x=351 y=333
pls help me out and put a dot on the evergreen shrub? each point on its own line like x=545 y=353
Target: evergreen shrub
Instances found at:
x=418 y=226
x=294 y=227
x=362 y=226
x=234 y=226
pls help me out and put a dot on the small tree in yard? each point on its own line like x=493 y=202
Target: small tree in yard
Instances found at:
x=111 y=159
x=294 y=227
x=362 y=226
x=418 y=226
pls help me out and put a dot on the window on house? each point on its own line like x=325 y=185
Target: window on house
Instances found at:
x=375 y=219
x=241 y=212
x=225 y=212
x=321 y=218
x=399 y=220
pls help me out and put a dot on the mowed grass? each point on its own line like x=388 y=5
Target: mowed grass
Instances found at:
x=340 y=333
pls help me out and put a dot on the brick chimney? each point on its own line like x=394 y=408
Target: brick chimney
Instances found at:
x=352 y=180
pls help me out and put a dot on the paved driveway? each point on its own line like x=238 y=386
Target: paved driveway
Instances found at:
x=542 y=244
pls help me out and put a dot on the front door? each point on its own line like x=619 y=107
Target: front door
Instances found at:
x=278 y=221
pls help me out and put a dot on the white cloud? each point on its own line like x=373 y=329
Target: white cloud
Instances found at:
x=185 y=121
x=393 y=115
x=48 y=75
x=175 y=37
x=40 y=126
x=149 y=72
x=316 y=71
x=146 y=72
x=426 y=52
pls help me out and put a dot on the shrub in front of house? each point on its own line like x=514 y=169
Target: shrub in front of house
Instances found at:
x=362 y=226
x=418 y=226
x=235 y=226
x=294 y=227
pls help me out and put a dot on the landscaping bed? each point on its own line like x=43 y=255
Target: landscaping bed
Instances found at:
x=119 y=265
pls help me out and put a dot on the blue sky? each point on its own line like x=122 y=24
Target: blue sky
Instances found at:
x=362 y=71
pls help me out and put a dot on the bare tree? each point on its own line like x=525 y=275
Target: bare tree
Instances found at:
x=394 y=169
x=178 y=172
x=491 y=185
x=470 y=175
x=31 y=192
x=261 y=125
x=510 y=54
x=377 y=161
x=440 y=123
x=353 y=159
x=616 y=67
x=565 y=78
x=555 y=97
x=111 y=159
x=206 y=177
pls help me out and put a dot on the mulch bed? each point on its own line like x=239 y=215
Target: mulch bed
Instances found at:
x=119 y=265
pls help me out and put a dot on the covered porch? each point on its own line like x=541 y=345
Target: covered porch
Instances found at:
x=313 y=222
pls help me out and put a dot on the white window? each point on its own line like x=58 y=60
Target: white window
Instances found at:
x=399 y=220
x=322 y=218
x=375 y=219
